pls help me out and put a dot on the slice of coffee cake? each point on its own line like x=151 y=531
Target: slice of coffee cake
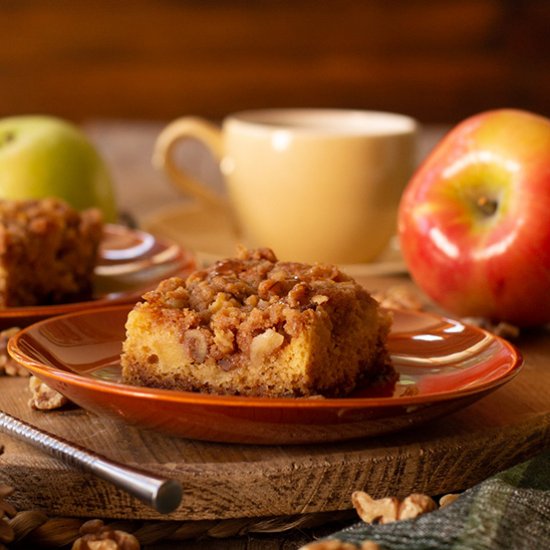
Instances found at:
x=253 y=325
x=48 y=252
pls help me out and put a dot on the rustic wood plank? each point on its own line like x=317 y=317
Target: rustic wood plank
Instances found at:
x=225 y=481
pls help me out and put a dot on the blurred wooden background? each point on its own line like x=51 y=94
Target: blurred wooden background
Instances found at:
x=156 y=59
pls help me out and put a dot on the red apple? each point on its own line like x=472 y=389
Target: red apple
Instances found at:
x=474 y=221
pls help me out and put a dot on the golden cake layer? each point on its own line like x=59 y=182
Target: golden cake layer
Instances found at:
x=256 y=326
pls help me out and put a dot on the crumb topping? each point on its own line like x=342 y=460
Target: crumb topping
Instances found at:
x=48 y=251
x=255 y=279
x=252 y=304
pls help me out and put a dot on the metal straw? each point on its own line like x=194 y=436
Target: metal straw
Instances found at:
x=164 y=495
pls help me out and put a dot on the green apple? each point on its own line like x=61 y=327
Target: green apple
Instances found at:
x=43 y=156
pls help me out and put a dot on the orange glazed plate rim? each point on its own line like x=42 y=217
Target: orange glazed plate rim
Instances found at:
x=437 y=359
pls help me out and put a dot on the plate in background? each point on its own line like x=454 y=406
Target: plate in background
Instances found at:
x=130 y=263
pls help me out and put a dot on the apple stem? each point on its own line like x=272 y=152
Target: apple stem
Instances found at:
x=487 y=206
x=7 y=137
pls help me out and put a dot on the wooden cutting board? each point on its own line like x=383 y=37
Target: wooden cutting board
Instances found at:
x=237 y=481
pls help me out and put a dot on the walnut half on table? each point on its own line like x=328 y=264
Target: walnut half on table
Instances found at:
x=43 y=397
x=389 y=509
x=9 y=366
x=95 y=535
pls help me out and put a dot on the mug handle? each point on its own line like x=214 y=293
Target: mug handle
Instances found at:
x=163 y=155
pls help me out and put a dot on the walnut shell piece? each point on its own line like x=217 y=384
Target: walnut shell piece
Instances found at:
x=43 y=397
x=370 y=510
x=445 y=500
x=415 y=505
x=98 y=536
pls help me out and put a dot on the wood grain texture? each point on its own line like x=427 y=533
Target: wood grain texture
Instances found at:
x=236 y=481
x=438 y=61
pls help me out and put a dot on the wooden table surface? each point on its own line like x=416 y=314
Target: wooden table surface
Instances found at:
x=448 y=454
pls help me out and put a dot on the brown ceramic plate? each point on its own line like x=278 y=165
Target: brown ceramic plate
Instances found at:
x=443 y=365
x=130 y=263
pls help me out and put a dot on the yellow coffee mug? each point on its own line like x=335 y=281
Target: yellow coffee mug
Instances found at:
x=312 y=184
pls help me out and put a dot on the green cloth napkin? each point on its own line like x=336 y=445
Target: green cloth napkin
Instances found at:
x=508 y=511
